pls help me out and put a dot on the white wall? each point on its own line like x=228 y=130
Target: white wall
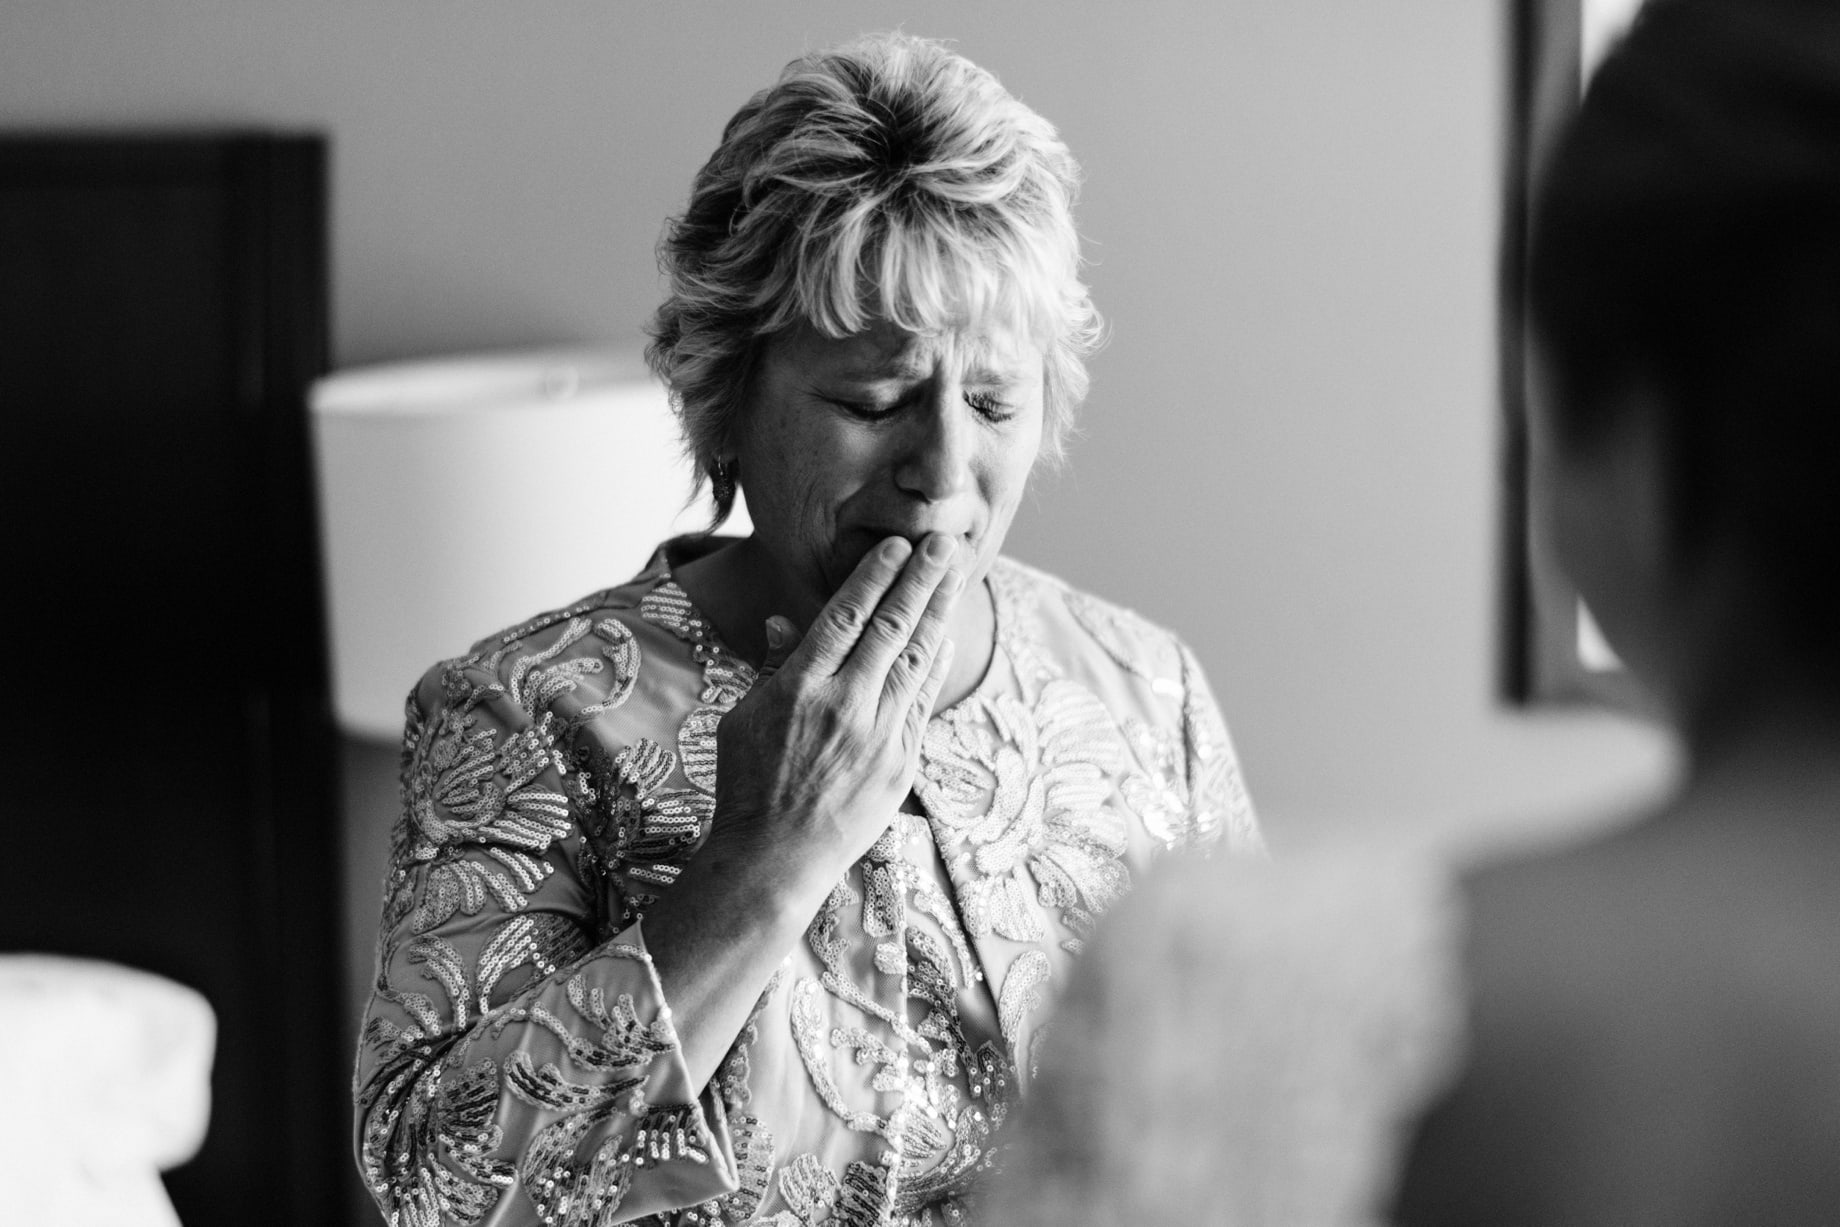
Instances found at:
x=1291 y=205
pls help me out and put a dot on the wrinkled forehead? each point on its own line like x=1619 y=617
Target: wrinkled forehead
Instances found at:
x=980 y=351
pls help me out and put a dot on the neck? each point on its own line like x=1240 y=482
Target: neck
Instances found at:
x=1791 y=728
x=1731 y=667
x=1761 y=727
x=726 y=582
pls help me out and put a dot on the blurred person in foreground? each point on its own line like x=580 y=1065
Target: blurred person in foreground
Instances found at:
x=737 y=893
x=1641 y=1029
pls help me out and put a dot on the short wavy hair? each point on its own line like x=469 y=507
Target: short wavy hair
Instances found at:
x=887 y=178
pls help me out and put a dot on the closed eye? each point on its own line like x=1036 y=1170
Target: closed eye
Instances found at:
x=989 y=407
x=865 y=411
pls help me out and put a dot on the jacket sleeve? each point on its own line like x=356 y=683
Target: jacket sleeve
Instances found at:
x=1219 y=807
x=518 y=1062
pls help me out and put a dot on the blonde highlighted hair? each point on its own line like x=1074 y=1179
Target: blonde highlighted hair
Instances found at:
x=886 y=178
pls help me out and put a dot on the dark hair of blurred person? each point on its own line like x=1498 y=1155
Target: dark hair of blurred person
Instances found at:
x=1655 y=1016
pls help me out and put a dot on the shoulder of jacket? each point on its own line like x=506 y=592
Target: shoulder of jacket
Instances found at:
x=1131 y=640
x=599 y=621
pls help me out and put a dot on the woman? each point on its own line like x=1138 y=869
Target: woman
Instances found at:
x=1653 y=1019
x=736 y=893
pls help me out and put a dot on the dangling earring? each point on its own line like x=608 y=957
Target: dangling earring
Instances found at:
x=722 y=476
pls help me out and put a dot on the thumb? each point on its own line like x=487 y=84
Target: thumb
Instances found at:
x=782 y=638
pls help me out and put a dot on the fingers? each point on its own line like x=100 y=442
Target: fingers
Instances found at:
x=913 y=665
x=928 y=693
x=836 y=629
x=911 y=602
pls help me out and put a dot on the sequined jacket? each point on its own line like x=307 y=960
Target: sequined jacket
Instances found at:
x=518 y=1063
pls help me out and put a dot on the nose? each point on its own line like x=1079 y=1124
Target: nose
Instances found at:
x=936 y=458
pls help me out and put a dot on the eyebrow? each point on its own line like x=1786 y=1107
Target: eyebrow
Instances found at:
x=878 y=371
x=909 y=371
x=984 y=375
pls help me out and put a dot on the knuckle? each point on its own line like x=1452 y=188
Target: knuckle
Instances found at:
x=848 y=613
x=888 y=626
x=833 y=721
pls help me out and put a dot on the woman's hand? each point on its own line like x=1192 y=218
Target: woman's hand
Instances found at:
x=814 y=762
x=811 y=767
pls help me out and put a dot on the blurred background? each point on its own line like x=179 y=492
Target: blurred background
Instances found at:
x=1291 y=453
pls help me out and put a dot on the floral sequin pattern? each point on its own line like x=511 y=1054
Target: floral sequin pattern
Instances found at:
x=726 y=678
x=452 y=1116
x=479 y=818
x=659 y=794
x=1120 y=634
x=465 y=785
x=1026 y=789
x=938 y=1137
x=1221 y=803
x=653 y=826
x=567 y=1187
x=519 y=1060
x=1157 y=791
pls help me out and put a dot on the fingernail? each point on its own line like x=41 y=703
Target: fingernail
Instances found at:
x=953 y=581
x=939 y=547
x=776 y=634
x=895 y=549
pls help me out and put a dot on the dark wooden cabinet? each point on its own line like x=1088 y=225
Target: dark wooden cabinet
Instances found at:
x=168 y=753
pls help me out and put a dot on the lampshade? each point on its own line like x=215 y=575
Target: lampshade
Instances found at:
x=463 y=495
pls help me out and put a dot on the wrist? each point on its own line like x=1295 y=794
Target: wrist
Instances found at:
x=775 y=862
x=767 y=892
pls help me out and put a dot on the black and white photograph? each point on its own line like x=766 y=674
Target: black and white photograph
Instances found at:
x=786 y=613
